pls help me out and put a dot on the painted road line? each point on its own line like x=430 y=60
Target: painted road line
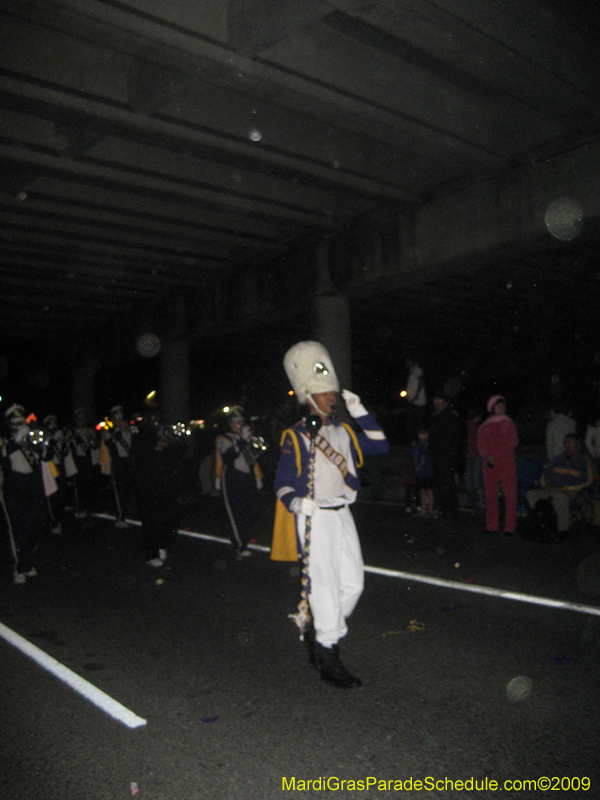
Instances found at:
x=76 y=682
x=488 y=590
x=194 y=535
x=410 y=576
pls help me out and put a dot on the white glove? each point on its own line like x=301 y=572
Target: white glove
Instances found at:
x=303 y=505
x=353 y=404
x=246 y=432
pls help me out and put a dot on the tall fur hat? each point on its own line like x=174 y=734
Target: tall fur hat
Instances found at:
x=310 y=370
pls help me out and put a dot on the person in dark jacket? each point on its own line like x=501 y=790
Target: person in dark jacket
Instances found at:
x=156 y=467
x=444 y=452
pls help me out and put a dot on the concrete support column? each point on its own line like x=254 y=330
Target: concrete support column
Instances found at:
x=331 y=319
x=174 y=393
x=332 y=328
x=84 y=390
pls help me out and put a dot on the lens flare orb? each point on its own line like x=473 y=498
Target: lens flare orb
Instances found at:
x=564 y=219
x=519 y=689
x=147 y=345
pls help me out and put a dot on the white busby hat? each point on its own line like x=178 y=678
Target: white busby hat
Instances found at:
x=310 y=370
x=15 y=413
x=235 y=412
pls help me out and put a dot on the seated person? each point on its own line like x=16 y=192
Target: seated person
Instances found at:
x=563 y=478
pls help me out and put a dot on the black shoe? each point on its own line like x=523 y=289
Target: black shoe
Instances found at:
x=329 y=664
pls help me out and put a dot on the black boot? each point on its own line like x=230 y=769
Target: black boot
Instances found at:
x=311 y=645
x=328 y=662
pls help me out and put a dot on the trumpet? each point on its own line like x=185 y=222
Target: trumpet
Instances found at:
x=173 y=432
x=258 y=443
x=37 y=439
x=180 y=429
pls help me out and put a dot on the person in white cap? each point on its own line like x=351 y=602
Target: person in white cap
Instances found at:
x=316 y=481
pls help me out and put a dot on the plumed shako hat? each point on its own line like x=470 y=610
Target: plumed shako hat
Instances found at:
x=235 y=412
x=15 y=413
x=310 y=370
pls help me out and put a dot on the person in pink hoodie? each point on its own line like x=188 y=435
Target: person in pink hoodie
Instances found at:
x=496 y=442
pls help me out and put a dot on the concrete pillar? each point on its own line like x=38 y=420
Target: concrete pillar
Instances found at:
x=331 y=321
x=332 y=329
x=174 y=392
x=84 y=390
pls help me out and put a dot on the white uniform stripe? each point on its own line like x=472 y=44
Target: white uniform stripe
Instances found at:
x=374 y=435
x=76 y=682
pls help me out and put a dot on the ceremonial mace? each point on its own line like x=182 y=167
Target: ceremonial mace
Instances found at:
x=302 y=617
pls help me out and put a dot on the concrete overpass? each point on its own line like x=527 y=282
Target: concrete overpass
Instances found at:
x=239 y=174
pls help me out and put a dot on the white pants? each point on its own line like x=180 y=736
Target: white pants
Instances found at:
x=335 y=569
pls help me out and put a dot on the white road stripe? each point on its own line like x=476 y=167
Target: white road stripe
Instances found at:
x=473 y=587
x=221 y=540
x=410 y=576
x=76 y=682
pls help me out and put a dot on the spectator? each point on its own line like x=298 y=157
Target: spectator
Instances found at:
x=592 y=442
x=473 y=467
x=424 y=472
x=566 y=475
x=444 y=451
x=416 y=397
x=496 y=442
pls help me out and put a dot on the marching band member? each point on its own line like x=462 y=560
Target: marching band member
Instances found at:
x=86 y=452
x=315 y=483
x=240 y=478
x=27 y=480
x=117 y=443
x=157 y=453
x=62 y=458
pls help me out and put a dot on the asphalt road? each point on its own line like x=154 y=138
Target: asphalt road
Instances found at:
x=201 y=649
